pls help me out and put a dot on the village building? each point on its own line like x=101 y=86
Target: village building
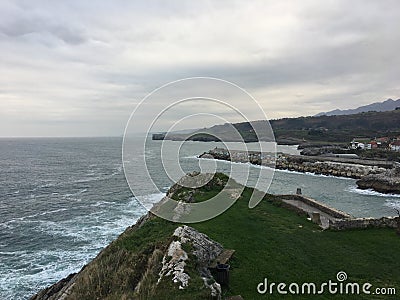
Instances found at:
x=395 y=146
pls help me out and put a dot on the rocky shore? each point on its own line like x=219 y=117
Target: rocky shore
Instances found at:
x=153 y=259
x=157 y=259
x=318 y=165
x=385 y=182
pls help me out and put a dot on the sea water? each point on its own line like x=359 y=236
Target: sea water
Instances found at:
x=63 y=199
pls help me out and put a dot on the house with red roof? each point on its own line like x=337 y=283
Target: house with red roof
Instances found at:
x=395 y=146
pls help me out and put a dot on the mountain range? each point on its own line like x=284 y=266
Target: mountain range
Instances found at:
x=387 y=105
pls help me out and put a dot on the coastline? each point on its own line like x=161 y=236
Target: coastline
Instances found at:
x=301 y=207
x=336 y=167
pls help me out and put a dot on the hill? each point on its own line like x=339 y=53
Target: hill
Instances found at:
x=387 y=105
x=270 y=242
x=321 y=129
x=338 y=128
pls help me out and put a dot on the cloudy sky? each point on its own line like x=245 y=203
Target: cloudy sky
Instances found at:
x=78 y=68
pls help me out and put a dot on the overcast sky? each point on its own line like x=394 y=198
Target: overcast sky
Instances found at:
x=78 y=68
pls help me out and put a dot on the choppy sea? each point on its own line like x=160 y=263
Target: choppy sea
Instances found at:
x=63 y=199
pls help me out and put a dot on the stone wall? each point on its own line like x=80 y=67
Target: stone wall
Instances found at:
x=321 y=206
x=357 y=223
x=342 y=220
x=333 y=168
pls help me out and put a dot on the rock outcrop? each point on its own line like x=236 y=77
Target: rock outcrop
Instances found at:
x=333 y=168
x=203 y=248
x=125 y=269
x=385 y=182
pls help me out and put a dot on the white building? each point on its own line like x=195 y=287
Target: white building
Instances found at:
x=395 y=146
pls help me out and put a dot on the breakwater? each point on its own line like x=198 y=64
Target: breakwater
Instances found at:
x=318 y=165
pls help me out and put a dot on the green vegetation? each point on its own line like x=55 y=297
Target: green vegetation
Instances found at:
x=273 y=242
x=378 y=154
x=342 y=128
x=317 y=130
x=270 y=241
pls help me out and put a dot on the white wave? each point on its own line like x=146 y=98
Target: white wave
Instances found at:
x=108 y=220
x=89 y=178
x=33 y=216
x=102 y=203
x=149 y=200
x=393 y=203
x=34 y=271
x=74 y=194
x=46 y=185
x=370 y=192
x=191 y=157
x=277 y=170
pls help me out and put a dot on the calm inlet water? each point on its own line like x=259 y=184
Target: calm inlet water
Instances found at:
x=63 y=200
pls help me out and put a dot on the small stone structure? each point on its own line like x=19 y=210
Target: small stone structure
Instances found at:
x=316 y=218
x=328 y=217
x=335 y=213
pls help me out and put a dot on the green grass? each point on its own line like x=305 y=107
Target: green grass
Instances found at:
x=270 y=241
x=276 y=243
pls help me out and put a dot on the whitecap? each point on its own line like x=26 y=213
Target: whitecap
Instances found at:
x=277 y=170
x=74 y=194
x=392 y=203
x=149 y=200
x=370 y=192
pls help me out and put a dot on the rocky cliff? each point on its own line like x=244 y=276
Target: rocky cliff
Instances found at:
x=385 y=182
x=153 y=259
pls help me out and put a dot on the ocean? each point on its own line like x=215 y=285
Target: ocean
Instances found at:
x=63 y=199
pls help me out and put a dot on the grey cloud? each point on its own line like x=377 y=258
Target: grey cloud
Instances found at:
x=23 y=27
x=20 y=21
x=96 y=60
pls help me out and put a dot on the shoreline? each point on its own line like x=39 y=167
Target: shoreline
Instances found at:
x=335 y=167
x=277 y=170
x=317 y=212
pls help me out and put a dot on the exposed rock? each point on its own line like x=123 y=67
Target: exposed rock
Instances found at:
x=57 y=290
x=175 y=265
x=386 y=182
x=214 y=286
x=318 y=165
x=203 y=248
x=194 y=180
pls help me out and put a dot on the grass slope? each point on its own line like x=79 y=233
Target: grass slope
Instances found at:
x=273 y=242
x=270 y=241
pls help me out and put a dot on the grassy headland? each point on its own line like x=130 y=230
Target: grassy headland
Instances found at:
x=270 y=241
